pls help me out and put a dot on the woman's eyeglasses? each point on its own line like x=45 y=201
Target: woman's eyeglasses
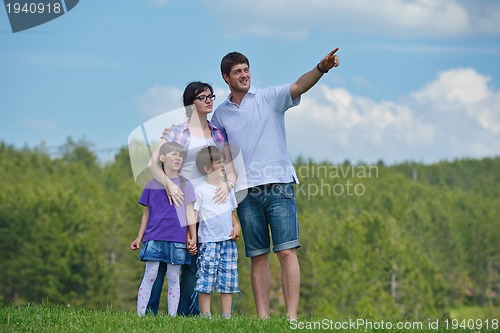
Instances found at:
x=204 y=98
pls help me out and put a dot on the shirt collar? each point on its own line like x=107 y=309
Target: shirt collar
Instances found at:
x=185 y=126
x=251 y=90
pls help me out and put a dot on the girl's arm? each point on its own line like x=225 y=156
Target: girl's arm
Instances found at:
x=136 y=244
x=191 y=239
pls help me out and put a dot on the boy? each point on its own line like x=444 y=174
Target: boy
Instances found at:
x=219 y=229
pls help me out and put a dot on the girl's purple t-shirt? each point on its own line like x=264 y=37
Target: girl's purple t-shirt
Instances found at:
x=166 y=222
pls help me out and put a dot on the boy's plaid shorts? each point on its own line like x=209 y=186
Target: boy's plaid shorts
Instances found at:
x=217 y=267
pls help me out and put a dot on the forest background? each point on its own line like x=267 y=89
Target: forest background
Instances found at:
x=407 y=241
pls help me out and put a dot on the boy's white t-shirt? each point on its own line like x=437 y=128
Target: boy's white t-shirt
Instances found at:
x=215 y=219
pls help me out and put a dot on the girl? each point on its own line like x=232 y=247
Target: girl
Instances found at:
x=163 y=234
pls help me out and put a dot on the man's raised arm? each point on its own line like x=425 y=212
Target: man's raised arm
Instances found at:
x=309 y=79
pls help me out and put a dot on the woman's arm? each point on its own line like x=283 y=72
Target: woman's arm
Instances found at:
x=231 y=175
x=222 y=192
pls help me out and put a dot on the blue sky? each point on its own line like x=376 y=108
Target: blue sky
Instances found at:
x=419 y=79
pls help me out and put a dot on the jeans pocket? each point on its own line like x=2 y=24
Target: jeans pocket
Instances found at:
x=179 y=252
x=143 y=250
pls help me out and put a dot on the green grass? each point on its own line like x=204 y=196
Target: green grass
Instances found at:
x=44 y=318
x=476 y=312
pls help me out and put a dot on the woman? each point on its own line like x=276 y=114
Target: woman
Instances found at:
x=194 y=134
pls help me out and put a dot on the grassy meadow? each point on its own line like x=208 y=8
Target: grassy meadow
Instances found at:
x=44 y=318
x=404 y=242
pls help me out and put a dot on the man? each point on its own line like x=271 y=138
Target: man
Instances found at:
x=253 y=120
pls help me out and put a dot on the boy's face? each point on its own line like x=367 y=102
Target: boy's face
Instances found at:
x=172 y=161
x=218 y=168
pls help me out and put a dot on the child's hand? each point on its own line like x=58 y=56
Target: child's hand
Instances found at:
x=191 y=245
x=236 y=232
x=136 y=244
x=192 y=250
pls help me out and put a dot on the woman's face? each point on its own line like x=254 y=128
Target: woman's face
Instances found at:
x=203 y=102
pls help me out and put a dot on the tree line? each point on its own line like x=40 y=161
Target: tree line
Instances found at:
x=408 y=240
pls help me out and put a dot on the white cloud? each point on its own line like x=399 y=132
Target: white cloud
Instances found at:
x=41 y=124
x=464 y=91
x=158 y=100
x=484 y=14
x=457 y=115
x=221 y=95
x=417 y=18
x=456 y=86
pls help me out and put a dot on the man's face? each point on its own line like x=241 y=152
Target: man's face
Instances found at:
x=239 y=78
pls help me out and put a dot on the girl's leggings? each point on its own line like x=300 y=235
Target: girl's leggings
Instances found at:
x=148 y=298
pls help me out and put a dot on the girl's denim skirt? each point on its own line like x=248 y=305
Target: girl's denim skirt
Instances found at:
x=164 y=251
